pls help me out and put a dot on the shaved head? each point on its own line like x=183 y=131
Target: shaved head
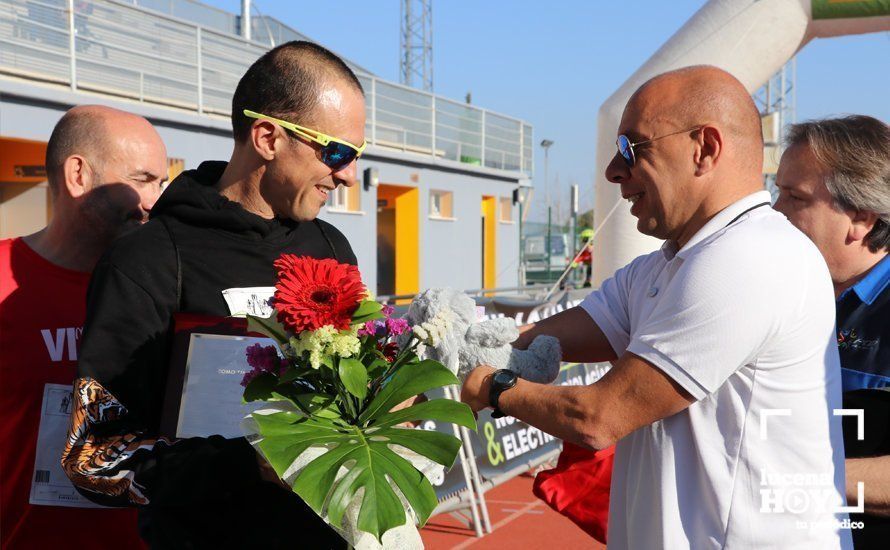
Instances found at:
x=106 y=168
x=90 y=131
x=289 y=82
x=696 y=147
x=702 y=94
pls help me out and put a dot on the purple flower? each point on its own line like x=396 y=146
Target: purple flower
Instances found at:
x=264 y=359
x=396 y=326
x=248 y=376
x=388 y=310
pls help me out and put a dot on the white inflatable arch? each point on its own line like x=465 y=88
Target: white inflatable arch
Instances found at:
x=751 y=39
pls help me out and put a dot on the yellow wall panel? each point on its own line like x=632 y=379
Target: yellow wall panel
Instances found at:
x=407 y=241
x=489 y=267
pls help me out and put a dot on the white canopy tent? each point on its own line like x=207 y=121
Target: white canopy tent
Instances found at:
x=751 y=39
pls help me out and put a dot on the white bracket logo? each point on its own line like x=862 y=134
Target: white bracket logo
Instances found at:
x=766 y=413
x=860 y=420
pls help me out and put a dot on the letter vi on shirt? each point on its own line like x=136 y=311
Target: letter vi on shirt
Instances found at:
x=62 y=343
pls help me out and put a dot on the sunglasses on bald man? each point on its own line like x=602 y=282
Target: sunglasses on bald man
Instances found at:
x=626 y=146
x=336 y=153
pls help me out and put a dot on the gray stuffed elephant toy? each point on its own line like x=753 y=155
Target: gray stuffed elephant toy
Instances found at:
x=462 y=343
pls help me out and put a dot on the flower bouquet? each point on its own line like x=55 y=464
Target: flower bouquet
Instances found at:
x=331 y=427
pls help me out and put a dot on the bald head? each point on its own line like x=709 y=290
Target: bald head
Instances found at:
x=692 y=96
x=96 y=133
x=692 y=146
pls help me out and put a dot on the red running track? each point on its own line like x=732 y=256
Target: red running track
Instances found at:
x=519 y=520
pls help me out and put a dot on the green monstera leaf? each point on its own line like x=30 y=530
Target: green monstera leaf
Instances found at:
x=366 y=450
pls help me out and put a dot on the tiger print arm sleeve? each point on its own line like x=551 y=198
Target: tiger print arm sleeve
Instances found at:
x=114 y=465
x=114 y=455
x=96 y=464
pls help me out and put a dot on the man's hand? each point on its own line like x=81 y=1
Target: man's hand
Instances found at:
x=476 y=386
x=416 y=400
x=580 y=338
x=525 y=337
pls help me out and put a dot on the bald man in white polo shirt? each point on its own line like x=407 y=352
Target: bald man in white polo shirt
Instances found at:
x=726 y=370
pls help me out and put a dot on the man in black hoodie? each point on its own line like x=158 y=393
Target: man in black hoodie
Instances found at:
x=298 y=120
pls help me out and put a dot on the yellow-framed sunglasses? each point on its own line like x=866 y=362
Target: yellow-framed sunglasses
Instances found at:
x=335 y=152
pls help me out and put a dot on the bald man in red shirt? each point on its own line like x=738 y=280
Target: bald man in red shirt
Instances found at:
x=105 y=169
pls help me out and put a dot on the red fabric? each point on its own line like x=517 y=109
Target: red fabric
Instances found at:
x=585 y=257
x=41 y=316
x=578 y=487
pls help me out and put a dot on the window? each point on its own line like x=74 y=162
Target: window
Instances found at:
x=506 y=210
x=345 y=199
x=557 y=245
x=440 y=205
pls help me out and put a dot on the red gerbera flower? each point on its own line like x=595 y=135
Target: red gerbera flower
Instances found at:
x=312 y=293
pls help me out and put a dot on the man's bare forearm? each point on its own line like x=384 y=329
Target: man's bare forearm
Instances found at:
x=631 y=395
x=874 y=472
x=561 y=411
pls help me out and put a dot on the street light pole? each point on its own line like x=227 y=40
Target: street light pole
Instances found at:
x=545 y=144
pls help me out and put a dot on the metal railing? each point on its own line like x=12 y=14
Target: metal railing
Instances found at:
x=153 y=51
x=530 y=289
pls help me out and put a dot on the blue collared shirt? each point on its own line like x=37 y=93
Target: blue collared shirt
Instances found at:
x=863 y=322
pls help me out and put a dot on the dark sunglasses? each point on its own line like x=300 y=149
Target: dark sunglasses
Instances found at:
x=336 y=153
x=626 y=146
x=337 y=156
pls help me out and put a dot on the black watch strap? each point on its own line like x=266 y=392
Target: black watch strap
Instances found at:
x=501 y=381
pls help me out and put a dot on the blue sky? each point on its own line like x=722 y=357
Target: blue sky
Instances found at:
x=553 y=63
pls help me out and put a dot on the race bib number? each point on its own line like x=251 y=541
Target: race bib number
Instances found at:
x=254 y=301
x=50 y=486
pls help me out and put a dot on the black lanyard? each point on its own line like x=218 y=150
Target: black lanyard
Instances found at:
x=735 y=219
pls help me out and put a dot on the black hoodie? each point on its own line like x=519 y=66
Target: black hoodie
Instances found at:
x=197 y=492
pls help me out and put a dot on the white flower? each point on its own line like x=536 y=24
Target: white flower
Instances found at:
x=345 y=345
x=434 y=331
x=324 y=342
x=435 y=338
x=315 y=359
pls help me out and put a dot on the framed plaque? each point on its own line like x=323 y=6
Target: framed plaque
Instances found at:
x=208 y=362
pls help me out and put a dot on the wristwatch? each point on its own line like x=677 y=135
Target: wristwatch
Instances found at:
x=501 y=381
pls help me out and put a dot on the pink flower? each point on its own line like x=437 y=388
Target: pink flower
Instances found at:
x=388 y=310
x=396 y=326
x=369 y=329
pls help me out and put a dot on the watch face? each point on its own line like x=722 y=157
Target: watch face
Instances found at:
x=503 y=377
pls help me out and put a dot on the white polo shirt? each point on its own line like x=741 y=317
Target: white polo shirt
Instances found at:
x=742 y=317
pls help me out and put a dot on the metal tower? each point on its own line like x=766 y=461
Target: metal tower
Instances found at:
x=777 y=102
x=416 y=38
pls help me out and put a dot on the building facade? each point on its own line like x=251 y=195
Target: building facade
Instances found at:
x=435 y=204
